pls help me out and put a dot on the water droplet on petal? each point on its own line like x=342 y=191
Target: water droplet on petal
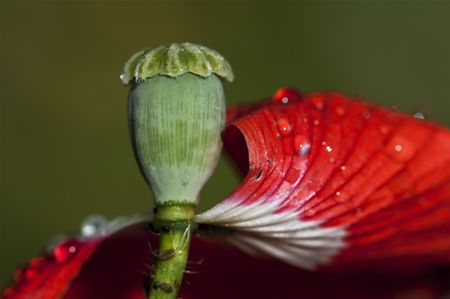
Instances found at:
x=286 y=95
x=400 y=149
x=301 y=145
x=327 y=147
x=316 y=122
x=419 y=115
x=64 y=251
x=366 y=114
x=305 y=148
x=284 y=126
x=37 y=262
x=339 y=110
x=55 y=241
x=340 y=197
x=298 y=141
x=30 y=273
x=94 y=225
x=345 y=171
x=318 y=102
x=384 y=129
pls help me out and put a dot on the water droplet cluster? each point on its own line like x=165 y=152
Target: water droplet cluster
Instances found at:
x=63 y=250
x=61 y=253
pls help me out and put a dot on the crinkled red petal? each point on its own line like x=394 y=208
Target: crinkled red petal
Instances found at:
x=380 y=177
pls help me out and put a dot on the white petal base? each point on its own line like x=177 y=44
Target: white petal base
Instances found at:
x=259 y=231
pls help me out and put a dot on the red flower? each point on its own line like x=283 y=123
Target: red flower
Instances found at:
x=359 y=192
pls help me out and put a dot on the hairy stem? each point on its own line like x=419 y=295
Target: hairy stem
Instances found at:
x=175 y=237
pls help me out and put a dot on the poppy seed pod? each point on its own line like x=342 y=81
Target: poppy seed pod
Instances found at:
x=176 y=115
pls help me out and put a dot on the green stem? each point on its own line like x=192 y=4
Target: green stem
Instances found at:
x=174 y=224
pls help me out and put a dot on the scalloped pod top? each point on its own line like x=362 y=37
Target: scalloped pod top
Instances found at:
x=331 y=180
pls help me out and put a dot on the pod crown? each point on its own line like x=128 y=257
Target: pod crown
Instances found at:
x=174 y=60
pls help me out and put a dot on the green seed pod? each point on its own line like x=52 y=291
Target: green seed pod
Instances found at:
x=176 y=115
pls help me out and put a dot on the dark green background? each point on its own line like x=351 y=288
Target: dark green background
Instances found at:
x=65 y=151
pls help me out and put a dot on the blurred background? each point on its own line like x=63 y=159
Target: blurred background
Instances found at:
x=65 y=150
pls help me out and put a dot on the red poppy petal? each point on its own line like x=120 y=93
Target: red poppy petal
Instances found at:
x=227 y=273
x=118 y=267
x=120 y=262
x=330 y=180
x=51 y=275
x=48 y=277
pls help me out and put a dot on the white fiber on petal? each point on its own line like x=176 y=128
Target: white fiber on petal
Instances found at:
x=266 y=222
